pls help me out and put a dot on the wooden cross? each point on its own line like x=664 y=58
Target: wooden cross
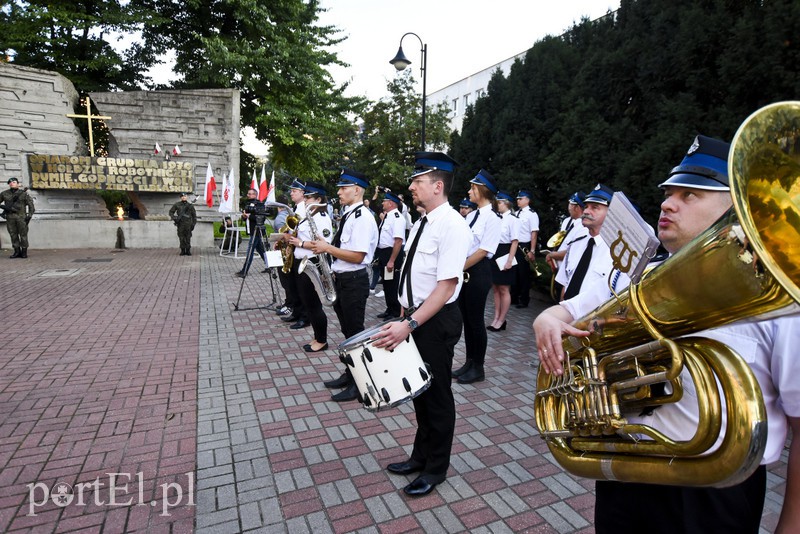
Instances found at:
x=89 y=117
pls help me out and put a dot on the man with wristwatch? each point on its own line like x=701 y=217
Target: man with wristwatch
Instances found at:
x=428 y=290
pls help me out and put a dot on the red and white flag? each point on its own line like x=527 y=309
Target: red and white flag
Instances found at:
x=211 y=186
x=253 y=181
x=228 y=192
x=176 y=151
x=271 y=190
x=157 y=150
x=262 y=186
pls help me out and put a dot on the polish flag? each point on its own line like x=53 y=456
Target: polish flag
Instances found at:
x=157 y=150
x=262 y=186
x=271 y=190
x=176 y=151
x=211 y=186
x=253 y=181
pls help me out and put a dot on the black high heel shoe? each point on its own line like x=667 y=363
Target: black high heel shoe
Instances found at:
x=491 y=328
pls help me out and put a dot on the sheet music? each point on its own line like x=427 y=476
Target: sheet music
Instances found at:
x=631 y=240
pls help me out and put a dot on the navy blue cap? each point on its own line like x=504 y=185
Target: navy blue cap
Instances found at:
x=504 y=195
x=388 y=195
x=467 y=203
x=485 y=179
x=577 y=198
x=524 y=194
x=705 y=166
x=12 y=180
x=297 y=184
x=351 y=177
x=315 y=189
x=425 y=162
x=601 y=194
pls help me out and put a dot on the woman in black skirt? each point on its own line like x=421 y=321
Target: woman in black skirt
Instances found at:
x=504 y=272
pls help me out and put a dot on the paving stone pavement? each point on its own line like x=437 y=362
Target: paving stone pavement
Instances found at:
x=135 y=362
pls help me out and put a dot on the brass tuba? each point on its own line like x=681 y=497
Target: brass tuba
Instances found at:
x=747 y=265
x=556 y=239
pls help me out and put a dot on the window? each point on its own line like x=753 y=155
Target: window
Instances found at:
x=466 y=101
x=454 y=107
x=478 y=94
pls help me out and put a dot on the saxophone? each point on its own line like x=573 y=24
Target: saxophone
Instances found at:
x=287 y=250
x=318 y=271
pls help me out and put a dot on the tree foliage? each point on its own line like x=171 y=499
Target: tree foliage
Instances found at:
x=76 y=40
x=618 y=100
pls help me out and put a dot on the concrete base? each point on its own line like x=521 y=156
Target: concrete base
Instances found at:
x=55 y=234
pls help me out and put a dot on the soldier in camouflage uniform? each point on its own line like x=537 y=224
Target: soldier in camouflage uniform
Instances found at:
x=16 y=206
x=185 y=217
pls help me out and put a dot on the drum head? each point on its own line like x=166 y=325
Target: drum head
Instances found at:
x=361 y=337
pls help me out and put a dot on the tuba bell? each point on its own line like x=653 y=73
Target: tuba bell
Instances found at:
x=745 y=266
x=556 y=239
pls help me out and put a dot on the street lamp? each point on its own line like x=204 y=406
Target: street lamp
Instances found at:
x=400 y=62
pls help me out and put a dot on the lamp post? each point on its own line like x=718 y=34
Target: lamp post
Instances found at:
x=400 y=62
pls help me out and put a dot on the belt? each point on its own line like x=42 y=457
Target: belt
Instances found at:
x=408 y=311
x=349 y=275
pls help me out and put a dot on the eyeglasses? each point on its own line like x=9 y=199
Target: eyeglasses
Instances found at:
x=425 y=179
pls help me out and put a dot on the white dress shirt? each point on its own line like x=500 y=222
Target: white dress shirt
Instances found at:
x=528 y=222
x=485 y=230
x=392 y=226
x=359 y=234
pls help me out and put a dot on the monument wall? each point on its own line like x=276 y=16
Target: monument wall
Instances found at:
x=34 y=104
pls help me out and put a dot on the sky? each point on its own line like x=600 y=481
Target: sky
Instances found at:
x=463 y=36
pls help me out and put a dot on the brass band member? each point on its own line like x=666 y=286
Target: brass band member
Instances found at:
x=298 y=317
x=528 y=234
x=352 y=247
x=429 y=286
x=696 y=194
x=485 y=226
x=314 y=194
x=391 y=237
x=505 y=274
x=466 y=207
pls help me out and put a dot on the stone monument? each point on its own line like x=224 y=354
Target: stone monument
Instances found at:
x=41 y=144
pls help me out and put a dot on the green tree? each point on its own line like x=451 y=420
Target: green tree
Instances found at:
x=390 y=134
x=76 y=40
x=274 y=52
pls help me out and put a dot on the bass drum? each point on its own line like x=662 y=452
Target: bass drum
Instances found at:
x=384 y=378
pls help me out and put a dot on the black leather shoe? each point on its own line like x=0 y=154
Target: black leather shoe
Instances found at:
x=422 y=485
x=463 y=369
x=299 y=324
x=384 y=315
x=491 y=328
x=265 y=271
x=340 y=382
x=520 y=306
x=474 y=374
x=351 y=393
x=308 y=348
x=405 y=468
x=292 y=318
x=284 y=310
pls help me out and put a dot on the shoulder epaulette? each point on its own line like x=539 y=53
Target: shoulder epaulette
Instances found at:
x=577 y=239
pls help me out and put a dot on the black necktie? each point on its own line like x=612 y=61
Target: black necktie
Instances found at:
x=576 y=282
x=569 y=226
x=406 y=278
x=477 y=212
x=337 y=238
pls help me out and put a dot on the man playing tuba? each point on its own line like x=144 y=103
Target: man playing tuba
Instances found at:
x=696 y=194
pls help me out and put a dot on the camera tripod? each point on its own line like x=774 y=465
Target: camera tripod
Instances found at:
x=258 y=237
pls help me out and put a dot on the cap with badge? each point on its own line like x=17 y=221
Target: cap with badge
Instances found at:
x=314 y=189
x=388 y=195
x=350 y=177
x=577 y=198
x=467 y=203
x=485 y=179
x=297 y=184
x=505 y=195
x=705 y=166
x=601 y=194
x=425 y=162
x=523 y=193
x=12 y=180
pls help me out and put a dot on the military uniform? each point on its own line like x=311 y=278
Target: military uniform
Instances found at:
x=18 y=210
x=185 y=217
x=392 y=227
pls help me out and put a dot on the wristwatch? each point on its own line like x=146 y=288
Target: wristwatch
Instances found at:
x=412 y=324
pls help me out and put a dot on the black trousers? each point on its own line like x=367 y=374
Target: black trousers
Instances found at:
x=521 y=289
x=256 y=244
x=313 y=306
x=293 y=292
x=472 y=302
x=435 y=408
x=390 y=286
x=671 y=509
x=352 y=291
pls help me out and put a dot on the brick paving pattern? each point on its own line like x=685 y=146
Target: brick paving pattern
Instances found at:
x=136 y=362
